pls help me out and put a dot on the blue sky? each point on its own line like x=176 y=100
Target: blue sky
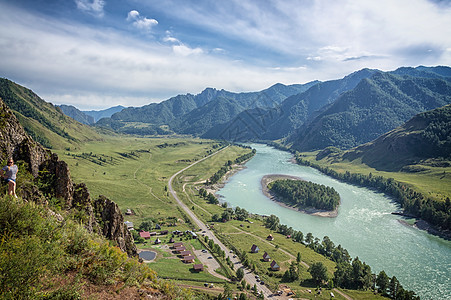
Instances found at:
x=95 y=54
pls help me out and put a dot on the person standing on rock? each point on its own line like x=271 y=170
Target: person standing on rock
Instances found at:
x=9 y=173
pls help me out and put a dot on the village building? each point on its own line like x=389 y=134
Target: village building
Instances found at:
x=266 y=257
x=198 y=267
x=254 y=249
x=178 y=244
x=188 y=259
x=144 y=234
x=171 y=240
x=191 y=233
x=186 y=253
x=275 y=266
x=180 y=249
x=157 y=241
x=270 y=237
x=129 y=225
x=163 y=232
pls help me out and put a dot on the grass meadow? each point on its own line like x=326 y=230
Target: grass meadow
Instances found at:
x=134 y=173
x=434 y=182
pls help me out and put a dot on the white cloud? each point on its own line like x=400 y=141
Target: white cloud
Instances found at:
x=90 y=66
x=94 y=7
x=142 y=23
x=170 y=39
x=132 y=15
x=185 y=51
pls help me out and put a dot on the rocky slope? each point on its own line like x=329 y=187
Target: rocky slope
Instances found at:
x=101 y=215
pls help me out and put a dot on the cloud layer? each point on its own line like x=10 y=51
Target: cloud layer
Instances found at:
x=158 y=50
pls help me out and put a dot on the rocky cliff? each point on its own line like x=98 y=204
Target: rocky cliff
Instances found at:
x=101 y=216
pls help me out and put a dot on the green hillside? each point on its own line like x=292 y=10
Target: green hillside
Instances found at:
x=43 y=121
x=374 y=107
x=426 y=139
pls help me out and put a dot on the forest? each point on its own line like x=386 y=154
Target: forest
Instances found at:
x=305 y=194
x=350 y=273
x=414 y=203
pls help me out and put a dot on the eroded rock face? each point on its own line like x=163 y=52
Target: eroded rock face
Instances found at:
x=59 y=175
x=112 y=225
x=103 y=216
x=16 y=143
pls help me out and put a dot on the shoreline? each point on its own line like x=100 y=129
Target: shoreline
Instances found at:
x=309 y=210
x=214 y=188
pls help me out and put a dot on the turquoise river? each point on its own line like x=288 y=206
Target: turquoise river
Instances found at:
x=364 y=226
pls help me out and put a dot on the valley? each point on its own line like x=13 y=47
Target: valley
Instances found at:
x=156 y=164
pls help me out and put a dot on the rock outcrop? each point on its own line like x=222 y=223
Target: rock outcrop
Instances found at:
x=101 y=216
x=16 y=143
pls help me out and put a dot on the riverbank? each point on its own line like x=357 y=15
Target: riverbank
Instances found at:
x=267 y=179
x=214 y=188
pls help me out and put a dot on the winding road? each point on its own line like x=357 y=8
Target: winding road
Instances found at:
x=249 y=277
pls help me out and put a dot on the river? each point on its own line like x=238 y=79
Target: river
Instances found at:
x=364 y=226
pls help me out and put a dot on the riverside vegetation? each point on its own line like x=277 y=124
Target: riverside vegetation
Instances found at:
x=148 y=172
x=305 y=194
x=134 y=173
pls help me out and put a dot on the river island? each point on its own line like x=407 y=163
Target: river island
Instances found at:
x=267 y=179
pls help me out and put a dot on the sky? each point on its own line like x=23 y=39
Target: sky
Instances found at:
x=95 y=54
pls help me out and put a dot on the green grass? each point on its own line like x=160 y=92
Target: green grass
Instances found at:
x=174 y=268
x=434 y=182
x=134 y=172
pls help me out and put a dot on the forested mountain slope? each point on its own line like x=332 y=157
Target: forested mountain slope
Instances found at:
x=425 y=136
x=265 y=123
x=104 y=113
x=183 y=113
x=44 y=122
x=76 y=114
x=375 y=106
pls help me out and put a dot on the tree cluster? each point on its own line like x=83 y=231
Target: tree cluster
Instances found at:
x=228 y=166
x=351 y=274
x=435 y=212
x=228 y=214
x=302 y=193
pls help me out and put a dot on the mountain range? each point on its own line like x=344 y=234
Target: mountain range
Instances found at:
x=343 y=113
x=89 y=117
x=44 y=122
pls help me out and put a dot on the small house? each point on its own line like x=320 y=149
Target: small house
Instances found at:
x=164 y=232
x=270 y=237
x=157 y=241
x=192 y=234
x=144 y=234
x=171 y=241
x=198 y=267
x=178 y=244
x=254 y=249
x=186 y=253
x=188 y=259
x=129 y=225
x=180 y=249
x=266 y=257
x=275 y=266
